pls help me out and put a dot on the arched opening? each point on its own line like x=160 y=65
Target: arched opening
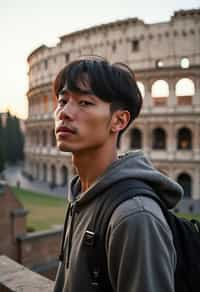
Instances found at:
x=53 y=138
x=185 y=181
x=185 y=90
x=160 y=92
x=53 y=177
x=184 y=139
x=159 y=139
x=37 y=138
x=37 y=171
x=44 y=172
x=141 y=88
x=44 y=138
x=64 y=175
x=135 y=139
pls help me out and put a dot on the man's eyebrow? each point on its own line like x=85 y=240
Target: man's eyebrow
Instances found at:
x=66 y=91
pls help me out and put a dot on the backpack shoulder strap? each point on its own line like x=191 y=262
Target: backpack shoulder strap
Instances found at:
x=96 y=232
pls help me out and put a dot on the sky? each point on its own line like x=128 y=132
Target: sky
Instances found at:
x=28 y=24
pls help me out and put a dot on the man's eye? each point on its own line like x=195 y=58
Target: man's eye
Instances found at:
x=85 y=102
x=61 y=102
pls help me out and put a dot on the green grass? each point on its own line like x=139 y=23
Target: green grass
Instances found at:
x=44 y=211
x=189 y=216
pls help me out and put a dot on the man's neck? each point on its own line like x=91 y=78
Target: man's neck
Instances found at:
x=92 y=165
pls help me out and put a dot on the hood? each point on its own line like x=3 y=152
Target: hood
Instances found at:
x=135 y=165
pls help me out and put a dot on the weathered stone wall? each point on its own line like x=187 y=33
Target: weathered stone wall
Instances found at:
x=17 y=278
x=39 y=251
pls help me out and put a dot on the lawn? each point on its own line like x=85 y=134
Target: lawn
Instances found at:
x=44 y=211
x=189 y=216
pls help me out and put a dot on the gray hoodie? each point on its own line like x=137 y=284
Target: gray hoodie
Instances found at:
x=139 y=248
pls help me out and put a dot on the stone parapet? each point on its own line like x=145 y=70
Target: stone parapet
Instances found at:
x=15 y=277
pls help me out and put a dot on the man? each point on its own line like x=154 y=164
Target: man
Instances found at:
x=97 y=101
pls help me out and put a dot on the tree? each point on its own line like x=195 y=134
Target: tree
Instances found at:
x=14 y=140
x=19 y=140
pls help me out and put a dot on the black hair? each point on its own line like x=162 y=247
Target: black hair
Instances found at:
x=113 y=83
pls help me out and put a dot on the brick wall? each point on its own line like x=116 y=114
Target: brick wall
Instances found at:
x=37 y=250
x=12 y=221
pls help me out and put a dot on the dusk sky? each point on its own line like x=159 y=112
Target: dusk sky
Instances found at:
x=27 y=24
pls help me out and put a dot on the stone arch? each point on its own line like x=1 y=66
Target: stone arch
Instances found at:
x=185 y=90
x=53 y=176
x=64 y=175
x=32 y=170
x=160 y=92
x=36 y=137
x=135 y=138
x=184 y=139
x=159 y=139
x=44 y=138
x=185 y=180
x=37 y=170
x=44 y=169
x=141 y=88
x=53 y=138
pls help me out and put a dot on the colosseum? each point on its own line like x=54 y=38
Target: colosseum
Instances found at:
x=165 y=57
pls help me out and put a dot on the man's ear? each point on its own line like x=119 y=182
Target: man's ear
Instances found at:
x=120 y=120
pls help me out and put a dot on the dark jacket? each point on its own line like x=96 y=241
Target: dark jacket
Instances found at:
x=140 y=253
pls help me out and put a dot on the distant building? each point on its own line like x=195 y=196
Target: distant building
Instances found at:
x=166 y=60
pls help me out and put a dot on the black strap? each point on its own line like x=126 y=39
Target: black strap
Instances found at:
x=61 y=255
x=96 y=232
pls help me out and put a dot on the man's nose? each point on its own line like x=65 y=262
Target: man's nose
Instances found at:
x=68 y=110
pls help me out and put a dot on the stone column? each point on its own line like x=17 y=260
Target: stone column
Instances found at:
x=196 y=97
x=172 y=95
x=147 y=98
x=48 y=146
x=196 y=183
x=196 y=141
x=171 y=142
x=58 y=175
x=146 y=135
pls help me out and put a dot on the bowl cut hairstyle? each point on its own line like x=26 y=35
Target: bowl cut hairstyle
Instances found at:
x=112 y=83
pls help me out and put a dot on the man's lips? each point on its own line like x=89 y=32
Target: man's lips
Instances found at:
x=65 y=130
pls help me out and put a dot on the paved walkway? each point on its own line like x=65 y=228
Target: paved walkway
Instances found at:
x=13 y=174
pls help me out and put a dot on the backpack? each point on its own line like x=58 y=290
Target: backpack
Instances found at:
x=186 y=237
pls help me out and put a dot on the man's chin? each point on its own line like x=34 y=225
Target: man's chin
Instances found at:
x=64 y=148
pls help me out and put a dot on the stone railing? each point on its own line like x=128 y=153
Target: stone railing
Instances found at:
x=16 y=278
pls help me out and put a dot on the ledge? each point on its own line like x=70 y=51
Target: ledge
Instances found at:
x=39 y=234
x=16 y=278
x=19 y=212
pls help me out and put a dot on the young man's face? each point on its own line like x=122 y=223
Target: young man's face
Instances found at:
x=82 y=122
